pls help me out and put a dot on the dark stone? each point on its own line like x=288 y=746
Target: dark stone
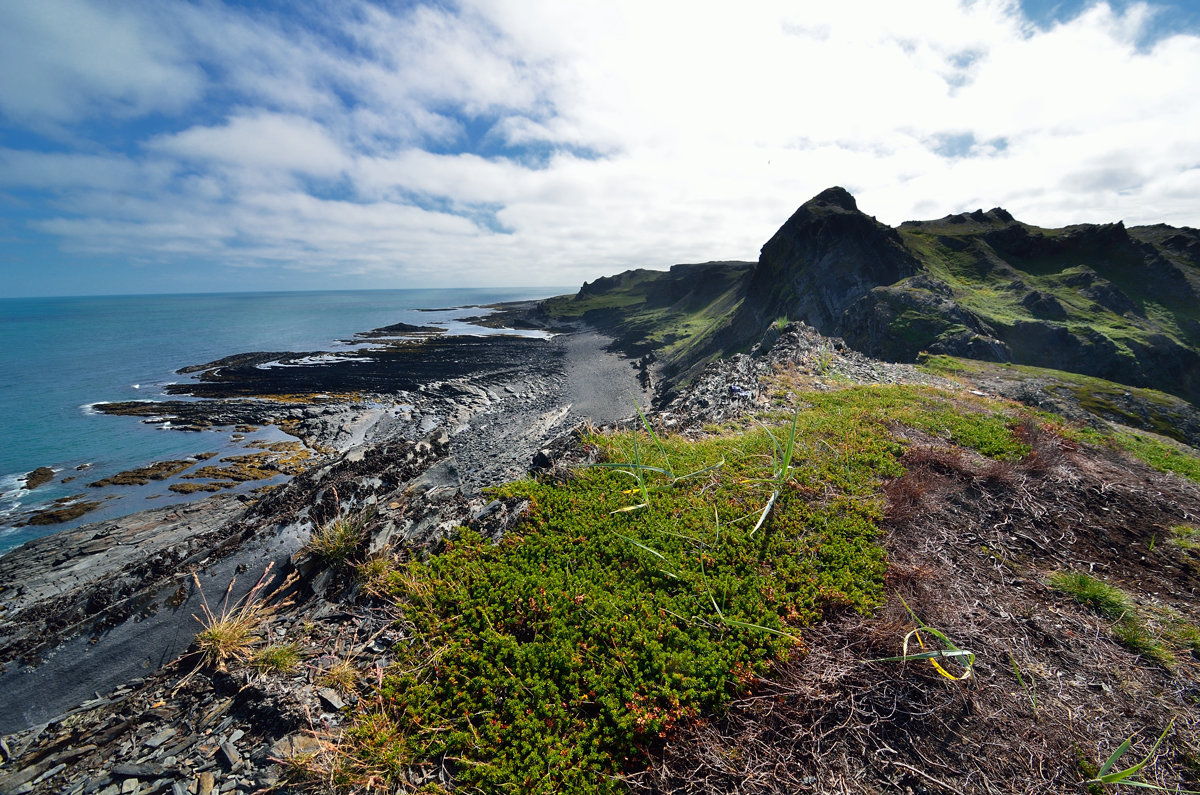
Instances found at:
x=1043 y=305
x=126 y=770
x=39 y=477
x=400 y=329
x=330 y=698
x=230 y=754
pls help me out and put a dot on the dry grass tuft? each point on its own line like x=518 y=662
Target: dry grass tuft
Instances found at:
x=231 y=634
x=339 y=539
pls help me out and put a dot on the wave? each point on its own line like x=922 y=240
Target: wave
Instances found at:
x=12 y=490
x=324 y=358
x=11 y=484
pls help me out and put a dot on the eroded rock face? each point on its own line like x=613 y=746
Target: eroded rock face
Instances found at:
x=826 y=257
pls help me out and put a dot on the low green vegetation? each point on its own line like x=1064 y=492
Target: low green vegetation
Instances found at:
x=277 y=657
x=633 y=597
x=1160 y=455
x=1186 y=536
x=1108 y=295
x=1154 y=632
x=1144 y=409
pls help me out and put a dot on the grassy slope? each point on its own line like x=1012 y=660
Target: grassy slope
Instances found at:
x=634 y=599
x=676 y=315
x=1095 y=395
x=983 y=282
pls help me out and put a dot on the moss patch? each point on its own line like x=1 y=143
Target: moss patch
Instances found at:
x=281 y=458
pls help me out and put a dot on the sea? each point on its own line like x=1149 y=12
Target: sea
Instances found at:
x=59 y=356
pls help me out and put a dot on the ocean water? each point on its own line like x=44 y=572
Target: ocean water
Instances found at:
x=59 y=355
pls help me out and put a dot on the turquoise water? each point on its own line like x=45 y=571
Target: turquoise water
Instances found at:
x=58 y=355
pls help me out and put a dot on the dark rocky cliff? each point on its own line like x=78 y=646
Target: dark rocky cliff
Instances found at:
x=825 y=258
x=1102 y=300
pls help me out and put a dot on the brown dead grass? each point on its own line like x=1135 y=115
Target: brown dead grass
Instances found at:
x=970 y=543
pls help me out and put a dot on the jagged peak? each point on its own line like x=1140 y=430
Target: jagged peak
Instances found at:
x=995 y=217
x=834 y=197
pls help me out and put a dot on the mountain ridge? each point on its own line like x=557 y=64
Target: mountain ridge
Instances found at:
x=1102 y=300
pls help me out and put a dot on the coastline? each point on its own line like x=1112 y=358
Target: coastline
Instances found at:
x=191 y=727
x=68 y=354
x=86 y=609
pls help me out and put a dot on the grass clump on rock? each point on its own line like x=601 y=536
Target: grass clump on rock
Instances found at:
x=277 y=657
x=232 y=633
x=338 y=539
x=552 y=660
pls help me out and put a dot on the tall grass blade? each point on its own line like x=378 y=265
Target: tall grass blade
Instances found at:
x=1104 y=777
x=658 y=442
x=778 y=454
x=963 y=657
x=765 y=511
x=637 y=461
x=705 y=470
x=790 y=447
x=1029 y=689
x=627 y=468
x=652 y=551
x=782 y=458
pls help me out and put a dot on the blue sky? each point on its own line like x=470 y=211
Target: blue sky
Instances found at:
x=173 y=146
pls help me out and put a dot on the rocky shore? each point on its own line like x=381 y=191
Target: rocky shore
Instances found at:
x=98 y=693
x=101 y=689
x=98 y=609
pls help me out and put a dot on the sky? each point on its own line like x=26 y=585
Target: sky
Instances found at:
x=165 y=146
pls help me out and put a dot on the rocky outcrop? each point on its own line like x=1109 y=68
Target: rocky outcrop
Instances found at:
x=1097 y=299
x=39 y=477
x=826 y=257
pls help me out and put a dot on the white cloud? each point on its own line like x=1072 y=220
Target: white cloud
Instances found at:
x=72 y=171
x=596 y=135
x=260 y=141
x=65 y=60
